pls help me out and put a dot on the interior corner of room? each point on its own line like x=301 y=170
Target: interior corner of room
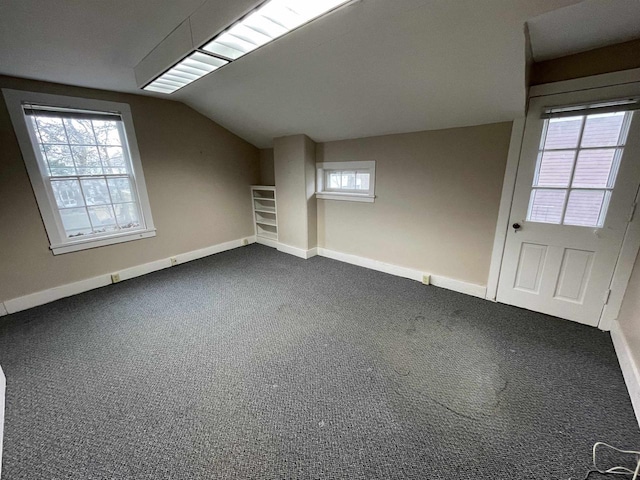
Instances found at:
x=247 y=194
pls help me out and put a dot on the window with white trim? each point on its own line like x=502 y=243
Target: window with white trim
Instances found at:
x=353 y=181
x=578 y=161
x=85 y=169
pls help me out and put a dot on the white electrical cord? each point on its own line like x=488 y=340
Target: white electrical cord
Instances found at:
x=615 y=470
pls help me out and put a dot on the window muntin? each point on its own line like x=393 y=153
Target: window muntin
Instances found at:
x=346 y=181
x=353 y=181
x=85 y=164
x=577 y=165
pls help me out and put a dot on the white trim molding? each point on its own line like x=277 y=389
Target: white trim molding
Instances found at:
x=502 y=226
x=352 y=197
x=435 y=280
x=268 y=242
x=3 y=310
x=39 y=176
x=586 y=83
x=630 y=369
x=46 y=296
x=298 y=252
x=325 y=193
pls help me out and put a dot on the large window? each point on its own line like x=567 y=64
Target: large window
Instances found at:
x=346 y=181
x=577 y=166
x=83 y=163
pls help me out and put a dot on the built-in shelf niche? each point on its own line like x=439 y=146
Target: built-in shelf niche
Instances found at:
x=265 y=215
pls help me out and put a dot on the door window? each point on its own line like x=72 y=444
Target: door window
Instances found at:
x=576 y=170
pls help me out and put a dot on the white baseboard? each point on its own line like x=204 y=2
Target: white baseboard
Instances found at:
x=630 y=369
x=139 y=270
x=472 y=289
x=298 y=252
x=45 y=296
x=436 y=280
x=267 y=242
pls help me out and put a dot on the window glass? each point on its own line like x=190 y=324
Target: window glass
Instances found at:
x=576 y=168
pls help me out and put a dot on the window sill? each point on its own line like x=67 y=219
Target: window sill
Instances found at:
x=84 y=244
x=351 y=197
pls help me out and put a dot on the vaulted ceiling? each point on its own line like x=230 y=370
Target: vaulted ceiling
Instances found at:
x=371 y=68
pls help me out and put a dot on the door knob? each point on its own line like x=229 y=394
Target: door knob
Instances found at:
x=516 y=226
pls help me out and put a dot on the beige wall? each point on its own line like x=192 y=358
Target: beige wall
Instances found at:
x=629 y=317
x=437 y=198
x=267 y=174
x=622 y=56
x=197 y=176
x=294 y=163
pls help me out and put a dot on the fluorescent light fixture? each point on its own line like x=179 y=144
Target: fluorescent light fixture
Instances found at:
x=195 y=66
x=272 y=20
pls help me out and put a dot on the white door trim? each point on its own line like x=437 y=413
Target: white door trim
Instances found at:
x=622 y=273
x=631 y=244
x=508 y=188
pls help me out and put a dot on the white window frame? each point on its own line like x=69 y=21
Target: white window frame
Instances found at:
x=324 y=193
x=58 y=240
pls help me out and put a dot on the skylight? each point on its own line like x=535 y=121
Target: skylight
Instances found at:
x=271 y=20
x=195 y=66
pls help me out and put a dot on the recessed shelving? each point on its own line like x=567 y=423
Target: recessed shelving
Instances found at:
x=265 y=214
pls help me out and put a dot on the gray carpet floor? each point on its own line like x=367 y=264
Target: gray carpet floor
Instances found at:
x=253 y=364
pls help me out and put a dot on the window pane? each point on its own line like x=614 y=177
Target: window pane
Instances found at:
x=127 y=215
x=583 y=208
x=334 y=179
x=87 y=160
x=362 y=181
x=555 y=169
x=546 y=206
x=67 y=193
x=102 y=218
x=602 y=130
x=563 y=133
x=113 y=160
x=59 y=159
x=75 y=221
x=79 y=131
x=593 y=168
x=95 y=191
x=120 y=189
x=51 y=130
x=348 y=180
x=107 y=132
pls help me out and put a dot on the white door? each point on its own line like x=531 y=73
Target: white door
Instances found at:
x=575 y=191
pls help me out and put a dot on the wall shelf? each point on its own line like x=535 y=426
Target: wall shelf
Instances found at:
x=265 y=218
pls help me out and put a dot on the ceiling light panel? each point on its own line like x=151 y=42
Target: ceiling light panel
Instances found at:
x=195 y=66
x=272 y=20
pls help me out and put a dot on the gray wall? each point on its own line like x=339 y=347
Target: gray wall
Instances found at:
x=197 y=173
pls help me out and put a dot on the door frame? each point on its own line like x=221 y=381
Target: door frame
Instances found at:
x=631 y=242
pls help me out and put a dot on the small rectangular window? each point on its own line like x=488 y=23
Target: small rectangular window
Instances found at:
x=346 y=181
x=577 y=165
x=86 y=176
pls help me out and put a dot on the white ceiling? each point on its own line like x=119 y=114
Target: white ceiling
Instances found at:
x=587 y=25
x=375 y=67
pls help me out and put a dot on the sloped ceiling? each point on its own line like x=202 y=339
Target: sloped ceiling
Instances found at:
x=374 y=67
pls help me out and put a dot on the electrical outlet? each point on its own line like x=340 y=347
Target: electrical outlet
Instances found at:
x=426 y=279
x=245 y=241
x=174 y=261
x=115 y=277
